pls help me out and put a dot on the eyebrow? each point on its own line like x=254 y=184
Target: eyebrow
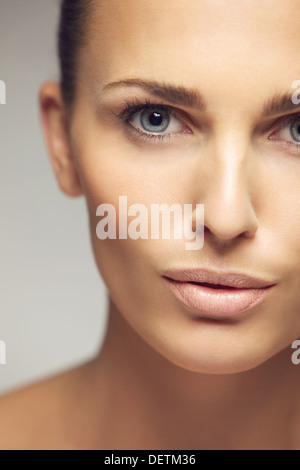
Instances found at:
x=178 y=95
x=191 y=97
x=281 y=103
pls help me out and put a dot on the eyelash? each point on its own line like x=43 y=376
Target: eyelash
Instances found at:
x=133 y=107
x=283 y=123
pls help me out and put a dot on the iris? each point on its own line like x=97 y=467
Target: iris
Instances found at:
x=295 y=130
x=155 y=120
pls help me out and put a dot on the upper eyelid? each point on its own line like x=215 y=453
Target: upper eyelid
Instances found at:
x=289 y=119
x=137 y=106
x=284 y=121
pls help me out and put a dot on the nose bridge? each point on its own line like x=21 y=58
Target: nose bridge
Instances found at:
x=229 y=210
x=231 y=166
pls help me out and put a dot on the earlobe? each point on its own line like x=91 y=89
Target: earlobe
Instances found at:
x=57 y=139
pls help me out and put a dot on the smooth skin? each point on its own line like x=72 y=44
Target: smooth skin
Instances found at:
x=167 y=378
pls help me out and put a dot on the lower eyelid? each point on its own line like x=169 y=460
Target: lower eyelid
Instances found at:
x=136 y=135
x=286 y=145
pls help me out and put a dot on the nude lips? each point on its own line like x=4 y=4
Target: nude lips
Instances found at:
x=217 y=295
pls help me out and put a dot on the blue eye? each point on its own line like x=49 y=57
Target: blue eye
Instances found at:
x=295 y=130
x=290 y=130
x=156 y=120
x=146 y=121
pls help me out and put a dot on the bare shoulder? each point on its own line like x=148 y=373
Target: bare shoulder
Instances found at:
x=39 y=417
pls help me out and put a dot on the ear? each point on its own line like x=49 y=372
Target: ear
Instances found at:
x=55 y=128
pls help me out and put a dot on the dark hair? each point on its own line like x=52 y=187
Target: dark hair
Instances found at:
x=71 y=36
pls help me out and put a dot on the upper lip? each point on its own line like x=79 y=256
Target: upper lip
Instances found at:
x=226 y=279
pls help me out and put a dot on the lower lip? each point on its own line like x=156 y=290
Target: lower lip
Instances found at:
x=218 y=303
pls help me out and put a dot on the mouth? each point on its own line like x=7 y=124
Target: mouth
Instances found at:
x=212 y=286
x=218 y=295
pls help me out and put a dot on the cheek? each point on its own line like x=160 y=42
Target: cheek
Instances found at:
x=129 y=266
x=279 y=237
x=280 y=212
x=131 y=272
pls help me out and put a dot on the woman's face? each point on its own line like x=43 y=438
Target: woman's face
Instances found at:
x=230 y=148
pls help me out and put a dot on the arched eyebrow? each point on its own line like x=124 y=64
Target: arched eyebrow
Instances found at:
x=178 y=95
x=280 y=104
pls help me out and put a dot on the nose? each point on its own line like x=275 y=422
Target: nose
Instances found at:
x=228 y=195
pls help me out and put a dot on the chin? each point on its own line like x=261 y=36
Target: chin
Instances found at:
x=226 y=365
x=219 y=357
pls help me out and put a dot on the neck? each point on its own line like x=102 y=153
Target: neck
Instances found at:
x=151 y=403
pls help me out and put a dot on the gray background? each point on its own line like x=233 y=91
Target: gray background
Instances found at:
x=52 y=300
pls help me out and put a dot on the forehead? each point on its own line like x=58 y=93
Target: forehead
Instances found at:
x=198 y=43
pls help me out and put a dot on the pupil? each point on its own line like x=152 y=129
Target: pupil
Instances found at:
x=298 y=129
x=156 y=119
